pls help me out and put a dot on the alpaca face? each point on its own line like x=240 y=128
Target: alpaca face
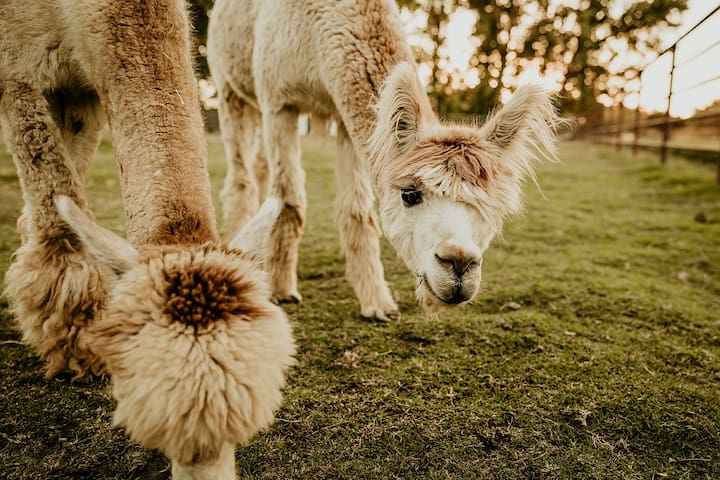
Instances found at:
x=445 y=190
x=442 y=241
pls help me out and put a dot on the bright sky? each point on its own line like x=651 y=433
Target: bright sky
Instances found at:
x=689 y=71
x=654 y=92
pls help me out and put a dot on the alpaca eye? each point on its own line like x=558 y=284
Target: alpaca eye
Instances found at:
x=410 y=196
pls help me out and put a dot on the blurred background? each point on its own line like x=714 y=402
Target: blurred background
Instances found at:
x=645 y=74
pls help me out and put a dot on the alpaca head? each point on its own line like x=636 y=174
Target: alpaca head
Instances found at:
x=196 y=351
x=444 y=190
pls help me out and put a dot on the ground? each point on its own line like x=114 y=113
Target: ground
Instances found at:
x=592 y=352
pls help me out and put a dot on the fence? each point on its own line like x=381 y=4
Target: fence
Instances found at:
x=700 y=133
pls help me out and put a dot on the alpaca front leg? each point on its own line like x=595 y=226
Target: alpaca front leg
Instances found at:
x=55 y=290
x=261 y=168
x=222 y=468
x=282 y=144
x=239 y=125
x=360 y=234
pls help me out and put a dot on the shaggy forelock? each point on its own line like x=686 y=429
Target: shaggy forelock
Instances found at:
x=443 y=163
x=197 y=351
x=462 y=167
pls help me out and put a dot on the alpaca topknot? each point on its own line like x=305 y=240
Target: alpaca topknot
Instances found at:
x=213 y=351
x=205 y=293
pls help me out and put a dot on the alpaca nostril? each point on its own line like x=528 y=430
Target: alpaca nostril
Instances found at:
x=446 y=262
x=460 y=265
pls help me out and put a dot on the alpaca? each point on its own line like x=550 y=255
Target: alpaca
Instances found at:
x=196 y=351
x=443 y=190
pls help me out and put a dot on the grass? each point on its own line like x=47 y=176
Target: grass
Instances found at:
x=592 y=352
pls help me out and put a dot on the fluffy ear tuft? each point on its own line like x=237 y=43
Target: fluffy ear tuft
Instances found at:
x=401 y=110
x=524 y=128
x=109 y=250
x=254 y=237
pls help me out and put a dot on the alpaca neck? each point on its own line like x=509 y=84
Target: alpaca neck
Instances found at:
x=357 y=85
x=222 y=468
x=153 y=112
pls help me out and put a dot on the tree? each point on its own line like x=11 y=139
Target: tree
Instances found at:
x=495 y=56
x=586 y=41
x=437 y=13
x=582 y=43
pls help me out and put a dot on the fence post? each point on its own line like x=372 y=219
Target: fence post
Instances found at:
x=636 y=130
x=666 y=126
x=636 y=122
x=620 y=126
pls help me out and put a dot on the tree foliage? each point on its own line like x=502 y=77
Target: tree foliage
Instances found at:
x=574 y=40
x=578 y=41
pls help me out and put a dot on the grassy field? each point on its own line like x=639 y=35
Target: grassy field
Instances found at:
x=592 y=352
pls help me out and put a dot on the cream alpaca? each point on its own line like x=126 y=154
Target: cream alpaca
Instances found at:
x=196 y=350
x=183 y=324
x=444 y=190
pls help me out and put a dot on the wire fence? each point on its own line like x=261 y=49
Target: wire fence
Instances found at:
x=688 y=72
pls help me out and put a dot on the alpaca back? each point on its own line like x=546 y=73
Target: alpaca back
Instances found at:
x=305 y=54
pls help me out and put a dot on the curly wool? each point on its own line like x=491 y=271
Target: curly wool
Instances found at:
x=55 y=292
x=196 y=350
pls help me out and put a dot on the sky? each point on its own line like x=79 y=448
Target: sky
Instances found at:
x=703 y=68
x=655 y=81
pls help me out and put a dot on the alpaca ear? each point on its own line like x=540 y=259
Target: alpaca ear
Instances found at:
x=254 y=238
x=401 y=107
x=528 y=120
x=110 y=250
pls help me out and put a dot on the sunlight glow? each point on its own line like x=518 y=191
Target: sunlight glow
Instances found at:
x=687 y=98
x=460 y=47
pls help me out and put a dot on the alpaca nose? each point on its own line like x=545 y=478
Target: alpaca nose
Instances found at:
x=459 y=263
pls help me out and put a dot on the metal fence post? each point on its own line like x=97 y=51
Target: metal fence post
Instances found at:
x=636 y=130
x=636 y=123
x=620 y=126
x=666 y=125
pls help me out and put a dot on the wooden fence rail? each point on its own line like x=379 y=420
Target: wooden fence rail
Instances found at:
x=701 y=133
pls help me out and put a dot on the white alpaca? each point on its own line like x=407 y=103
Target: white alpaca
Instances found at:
x=196 y=351
x=444 y=190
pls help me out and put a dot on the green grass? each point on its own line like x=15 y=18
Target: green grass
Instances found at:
x=592 y=352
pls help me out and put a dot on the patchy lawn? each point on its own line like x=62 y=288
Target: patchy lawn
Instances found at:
x=592 y=352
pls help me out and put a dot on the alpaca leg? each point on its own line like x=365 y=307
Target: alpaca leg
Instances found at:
x=260 y=167
x=282 y=145
x=136 y=57
x=360 y=234
x=55 y=290
x=223 y=468
x=239 y=125
x=79 y=117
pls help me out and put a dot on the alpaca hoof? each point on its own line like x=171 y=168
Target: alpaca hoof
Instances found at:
x=380 y=316
x=291 y=298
